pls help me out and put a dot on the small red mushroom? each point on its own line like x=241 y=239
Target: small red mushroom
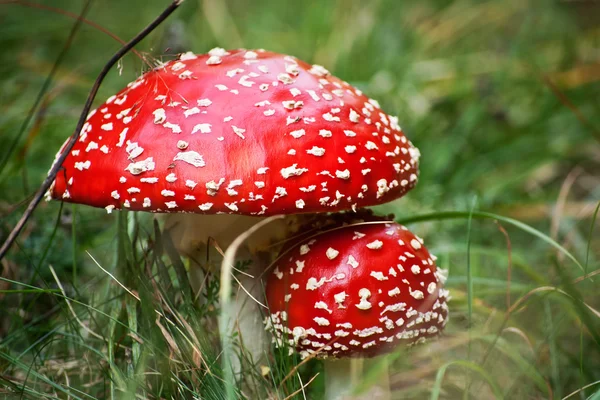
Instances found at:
x=355 y=290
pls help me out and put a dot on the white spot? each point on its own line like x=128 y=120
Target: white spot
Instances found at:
x=352 y=261
x=191 y=111
x=379 y=275
x=431 y=287
x=190 y=157
x=345 y=174
x=218 y=51
x=171 y=177
x=364 y=294
x=332 y=253
x=371 y=146
x=285 y=78
x=415 y=244
x=133 y=150
x=318 y=70
x=375 y=245
x=339 y=298
x=159 y=116
x=231 y=206
x=321 y=321
x=313 y=284
x=313 y=95
x=137 y=168
x=91 y=146
x=205 y=206
x=394 y=308
x=417 y=294
x=304 y=249
x=238 y=131
x=297 y=134
x=187 y=56
x=292 y=171
x=330 y=118
x=122 y=137
x=173 y=127
x=316 y=151
x=321 y=305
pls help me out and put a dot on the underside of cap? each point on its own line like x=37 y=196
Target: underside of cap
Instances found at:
x=238 y=132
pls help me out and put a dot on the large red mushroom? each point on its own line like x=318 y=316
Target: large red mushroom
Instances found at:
x=244 y=132
x=238 y=132
x=359 y=289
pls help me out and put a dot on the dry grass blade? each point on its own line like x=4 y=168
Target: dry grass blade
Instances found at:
x=302 y=388
x=509 y=266
x=62 y=290
x=522 y=335
x=135 y=296
x=523 y=299
x=569 y=104
x=581 y=390
x=225 y=297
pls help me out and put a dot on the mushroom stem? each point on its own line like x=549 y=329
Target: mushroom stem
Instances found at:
x=203 y=237
x=344 y=376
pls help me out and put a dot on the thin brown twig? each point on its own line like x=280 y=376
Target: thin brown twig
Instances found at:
x=88 y=105
x=509 y=271
x=567 y=103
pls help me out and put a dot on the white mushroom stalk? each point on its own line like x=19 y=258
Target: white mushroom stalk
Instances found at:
x=355 y=290
x=202 y=237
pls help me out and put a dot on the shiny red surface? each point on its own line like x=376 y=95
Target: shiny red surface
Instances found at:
x=383 y=166
x=373 y=263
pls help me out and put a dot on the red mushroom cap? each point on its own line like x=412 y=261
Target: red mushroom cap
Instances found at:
x=360 y=289
x=244 y=132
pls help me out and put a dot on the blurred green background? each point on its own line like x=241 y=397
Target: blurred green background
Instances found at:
x=501 y=97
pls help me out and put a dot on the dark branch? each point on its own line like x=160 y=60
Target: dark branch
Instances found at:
x=88 y=105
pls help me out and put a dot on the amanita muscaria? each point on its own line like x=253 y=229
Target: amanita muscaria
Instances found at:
x=244 y=132
x=238 y=132
x=359 y=289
